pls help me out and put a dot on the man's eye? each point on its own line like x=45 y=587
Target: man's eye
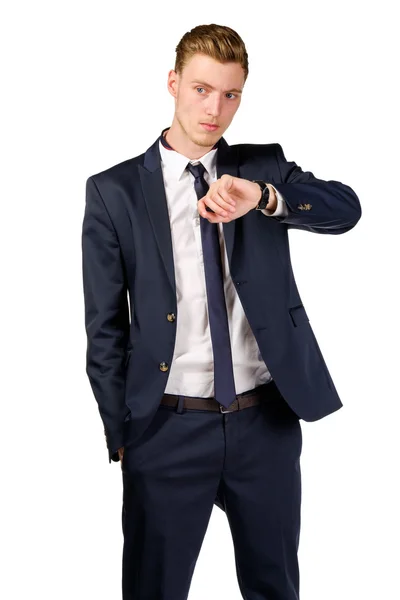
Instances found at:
x=228 y=93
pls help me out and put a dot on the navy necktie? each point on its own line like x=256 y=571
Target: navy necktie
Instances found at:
x=224 y=383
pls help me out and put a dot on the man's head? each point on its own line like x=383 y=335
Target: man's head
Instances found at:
x=211 y=68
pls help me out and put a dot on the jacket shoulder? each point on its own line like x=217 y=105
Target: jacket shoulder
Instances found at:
x=254 y=151
x=119 y=171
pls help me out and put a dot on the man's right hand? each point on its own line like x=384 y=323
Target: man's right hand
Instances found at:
x=121 y=453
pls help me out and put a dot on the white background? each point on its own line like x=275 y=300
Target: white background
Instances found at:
x=86 y=88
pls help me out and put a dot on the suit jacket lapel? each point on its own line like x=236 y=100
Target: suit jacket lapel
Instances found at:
x=152 y=182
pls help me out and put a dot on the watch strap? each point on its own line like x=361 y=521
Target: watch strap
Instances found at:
x=264 y=194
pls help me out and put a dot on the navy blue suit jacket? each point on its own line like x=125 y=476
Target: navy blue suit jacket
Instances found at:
x=127 y=250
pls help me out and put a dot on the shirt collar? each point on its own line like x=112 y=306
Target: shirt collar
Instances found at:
x=176 y=163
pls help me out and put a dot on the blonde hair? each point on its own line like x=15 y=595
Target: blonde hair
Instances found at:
x=217 y=41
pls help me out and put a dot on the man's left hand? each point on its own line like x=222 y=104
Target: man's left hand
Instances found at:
x=232 y=192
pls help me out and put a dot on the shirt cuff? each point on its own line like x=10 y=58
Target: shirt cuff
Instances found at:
x=281 y=208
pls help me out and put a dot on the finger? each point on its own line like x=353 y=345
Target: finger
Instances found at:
x=203 y=209
x=218 y=204
x=210 y=215
x=221 y=188
x=214 y=218
x=229 y=203
x=224 y=199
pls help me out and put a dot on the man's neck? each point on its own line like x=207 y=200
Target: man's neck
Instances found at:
x=182 y=144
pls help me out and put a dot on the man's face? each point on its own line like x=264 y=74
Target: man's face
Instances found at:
x=206 y=92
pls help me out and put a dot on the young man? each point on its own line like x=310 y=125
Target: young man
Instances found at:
x=202 y=388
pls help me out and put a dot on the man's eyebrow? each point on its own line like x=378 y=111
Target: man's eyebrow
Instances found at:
x=211 y=87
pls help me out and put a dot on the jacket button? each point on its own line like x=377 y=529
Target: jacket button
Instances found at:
x=163 y=366
x=171 y=317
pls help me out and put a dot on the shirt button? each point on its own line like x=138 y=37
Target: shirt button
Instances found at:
x=197 y=220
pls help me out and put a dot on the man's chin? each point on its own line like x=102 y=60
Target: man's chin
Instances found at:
x=206 y=138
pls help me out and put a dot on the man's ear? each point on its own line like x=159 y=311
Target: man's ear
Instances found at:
x=172 y=83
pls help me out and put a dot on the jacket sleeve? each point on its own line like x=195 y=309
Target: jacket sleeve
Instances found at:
x=314 y=204
x=106 y=316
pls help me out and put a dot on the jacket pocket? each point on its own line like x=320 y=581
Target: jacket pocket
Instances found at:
x=298 y=315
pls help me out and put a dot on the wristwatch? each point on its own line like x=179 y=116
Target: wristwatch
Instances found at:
x=264 y=194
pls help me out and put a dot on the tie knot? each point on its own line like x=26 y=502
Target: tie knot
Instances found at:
x=196 y=170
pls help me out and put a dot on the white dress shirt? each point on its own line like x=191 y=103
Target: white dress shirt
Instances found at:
x=192 y=368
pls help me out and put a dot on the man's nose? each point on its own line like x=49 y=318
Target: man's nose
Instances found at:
x=214 y=105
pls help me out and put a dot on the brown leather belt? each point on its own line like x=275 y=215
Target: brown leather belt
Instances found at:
x=263 y=392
